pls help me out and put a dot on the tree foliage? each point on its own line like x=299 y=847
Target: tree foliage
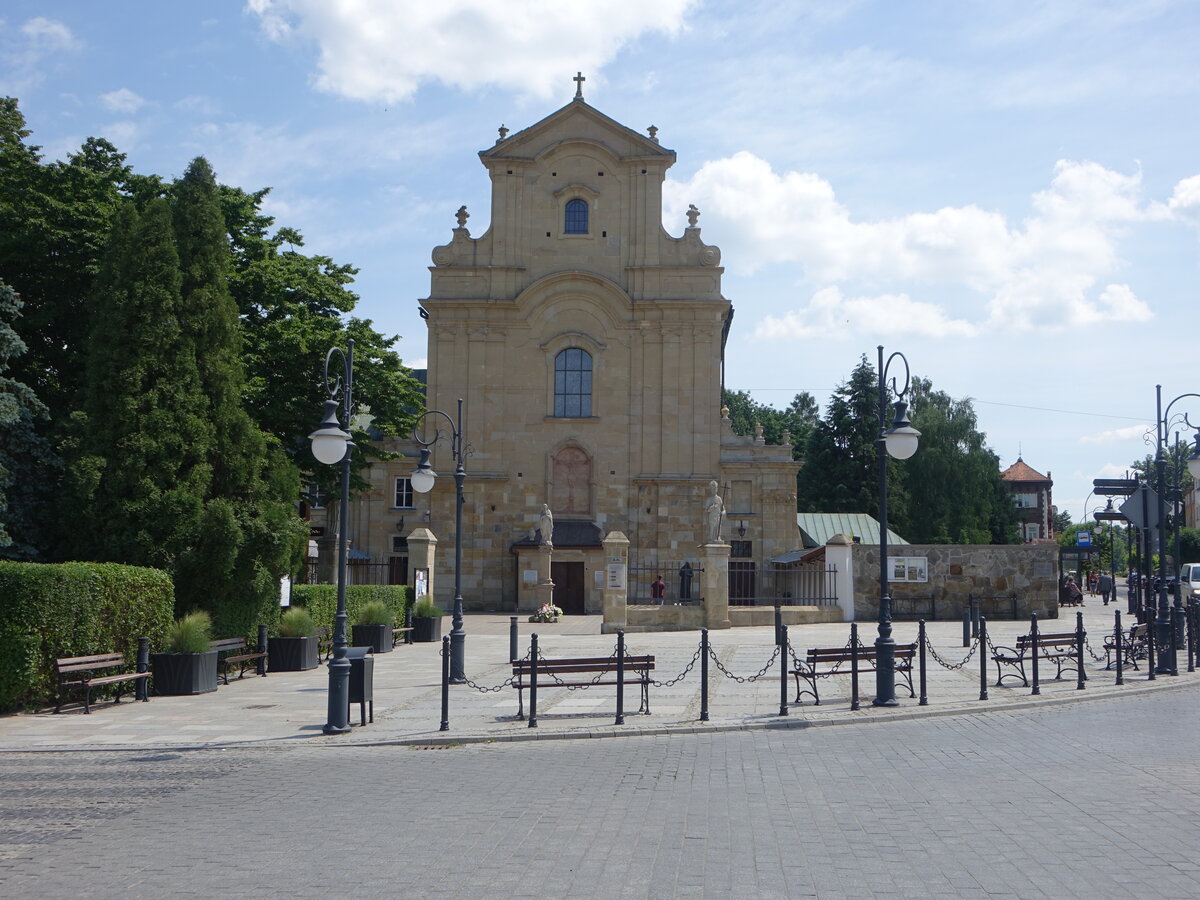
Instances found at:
x=796 y=421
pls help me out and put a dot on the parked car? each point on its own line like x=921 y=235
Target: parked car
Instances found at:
x=1189 y=580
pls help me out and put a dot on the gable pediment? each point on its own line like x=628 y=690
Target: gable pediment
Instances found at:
x=580 y=124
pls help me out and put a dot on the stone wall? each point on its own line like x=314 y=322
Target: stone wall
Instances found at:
x=1011 y=581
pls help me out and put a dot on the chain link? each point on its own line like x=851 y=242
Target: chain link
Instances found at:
x=511 y=682
x=678 y=678
x=952 y=666
x=1094 y=655
x=748 y=678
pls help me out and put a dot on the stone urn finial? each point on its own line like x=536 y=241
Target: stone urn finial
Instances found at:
x=692 y=215
x=462 y=215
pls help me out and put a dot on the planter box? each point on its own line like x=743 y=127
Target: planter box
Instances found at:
x=292 y=654
x=183 y=674
x=427 y=628
x=377 y=637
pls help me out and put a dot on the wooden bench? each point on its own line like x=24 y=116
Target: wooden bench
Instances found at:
x=325 y=642
x=1134 y=646
x=823 y=662
x=233 y=652
x=79 y=673
x=1065 y=599
x=602 y=669
x=401 y=635
x=1059 y=648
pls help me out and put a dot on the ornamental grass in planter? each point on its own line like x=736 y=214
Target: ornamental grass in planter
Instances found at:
x=373 y=627
x=295 y=649
x=188 y=664
x=426 y=620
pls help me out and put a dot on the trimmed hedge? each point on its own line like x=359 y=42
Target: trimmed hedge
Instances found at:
x=73 y=609
x=321 y=600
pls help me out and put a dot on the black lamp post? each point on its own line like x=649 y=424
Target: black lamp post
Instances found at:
x=332 y=445
x=1110 y=515
x=899 y=441
x=423 y=478
x=1165 y=627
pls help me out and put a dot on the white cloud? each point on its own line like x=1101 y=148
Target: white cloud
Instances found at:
x=384 y=51
x=123 y=101
x=1042 y=272
x=1117 y=435
x=829 y=314
x=1185 y=201
x=49 y=34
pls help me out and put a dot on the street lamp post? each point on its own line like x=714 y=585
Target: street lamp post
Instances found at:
x=423 y=478
x=1165 y=632
x=900 y=442
x=332 y=445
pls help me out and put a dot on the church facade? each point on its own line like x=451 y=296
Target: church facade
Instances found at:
x=587 y=345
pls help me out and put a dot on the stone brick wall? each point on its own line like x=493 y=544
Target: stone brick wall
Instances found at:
x=1008 y=579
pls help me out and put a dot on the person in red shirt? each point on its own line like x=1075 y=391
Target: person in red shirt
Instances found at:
x=658 y=590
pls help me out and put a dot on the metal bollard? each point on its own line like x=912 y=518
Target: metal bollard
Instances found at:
x=854 y=665
x=1190 y=618
x=1118 y=641
x=966 y=627
x=921 y=639
x=983 y=687
x=1176 y=637
x=974 y=603
x=783 y=670
x=1033 y=636
x=512 y=638
x=261 y=667
x=778 y=627
x=143 y=665
x=620 y=678
x=445 y=726
x=703 y=674
x=1079 y=635
x=533 y=667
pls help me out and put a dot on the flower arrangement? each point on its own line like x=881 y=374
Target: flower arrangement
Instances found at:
x=547 y=612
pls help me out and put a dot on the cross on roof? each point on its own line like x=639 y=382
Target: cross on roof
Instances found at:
x=579 y=80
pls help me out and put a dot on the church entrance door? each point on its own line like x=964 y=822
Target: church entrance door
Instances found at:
x=568 y=587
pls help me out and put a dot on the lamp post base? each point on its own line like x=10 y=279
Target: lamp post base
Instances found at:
x=458 y=653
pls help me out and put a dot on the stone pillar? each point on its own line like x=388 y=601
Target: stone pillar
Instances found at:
x=616 y=582
x=839 y=555
x=422 y=550
x=545 y=585
x=714 y=559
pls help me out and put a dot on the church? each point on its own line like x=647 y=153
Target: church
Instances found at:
x=587 y=345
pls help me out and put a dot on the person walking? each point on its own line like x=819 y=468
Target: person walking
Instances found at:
x=1106 y=588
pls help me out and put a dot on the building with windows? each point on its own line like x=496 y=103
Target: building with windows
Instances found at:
x=588 y=345
x=1031 y=496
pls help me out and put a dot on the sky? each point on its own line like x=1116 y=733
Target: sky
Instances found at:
x=1006 y=193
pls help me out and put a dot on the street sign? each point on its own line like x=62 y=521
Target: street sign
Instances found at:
x=1083 y=538
x=1115 y=487
x=1132 y=509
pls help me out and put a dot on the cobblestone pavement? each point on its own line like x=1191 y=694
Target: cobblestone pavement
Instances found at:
x=1090 y=800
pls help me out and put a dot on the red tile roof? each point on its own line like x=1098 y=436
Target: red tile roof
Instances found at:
x=1019 y=471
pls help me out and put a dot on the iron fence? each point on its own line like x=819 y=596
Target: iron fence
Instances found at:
x=802 y=586
x=681 y=582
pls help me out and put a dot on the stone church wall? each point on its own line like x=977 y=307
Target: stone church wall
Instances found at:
x=1004 y=577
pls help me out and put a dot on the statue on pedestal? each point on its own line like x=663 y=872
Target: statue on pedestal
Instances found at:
x=547 y=525
x=714 y=512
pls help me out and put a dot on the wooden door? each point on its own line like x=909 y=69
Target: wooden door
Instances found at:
x=568 y=587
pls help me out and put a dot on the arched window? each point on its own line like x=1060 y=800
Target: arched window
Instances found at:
x=573 y=383
x=576 y=217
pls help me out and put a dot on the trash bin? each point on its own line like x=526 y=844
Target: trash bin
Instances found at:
x=362 y=681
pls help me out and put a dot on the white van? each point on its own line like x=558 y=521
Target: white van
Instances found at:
x=1189 y=581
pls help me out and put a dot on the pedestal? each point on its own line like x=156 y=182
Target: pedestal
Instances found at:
x=616 y=587
x=715 y=584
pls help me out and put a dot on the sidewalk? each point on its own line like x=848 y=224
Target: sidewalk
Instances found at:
x=291 y=706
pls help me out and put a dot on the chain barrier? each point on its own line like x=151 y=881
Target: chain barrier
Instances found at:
x=678 y=678
x=511 y=682
x=1094 y=655
x=748 y=678
x=580 y=687
x=953 y=667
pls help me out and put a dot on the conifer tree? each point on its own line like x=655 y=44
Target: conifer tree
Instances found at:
x=138 y=473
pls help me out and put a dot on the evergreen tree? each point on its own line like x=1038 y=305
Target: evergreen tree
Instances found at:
x=249 y=534
x=841 y=468
x=798 y=419
x=138 y=472
x=25 y=456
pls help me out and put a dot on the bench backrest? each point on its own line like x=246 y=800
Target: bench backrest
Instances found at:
x=817 y=655
x=1059 y=639
x=584 y=664
x=85 y=663
x=228 y=644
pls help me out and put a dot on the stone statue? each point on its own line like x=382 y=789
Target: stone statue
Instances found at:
x=714 y=512
x=547 y=524
x=685 y=581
